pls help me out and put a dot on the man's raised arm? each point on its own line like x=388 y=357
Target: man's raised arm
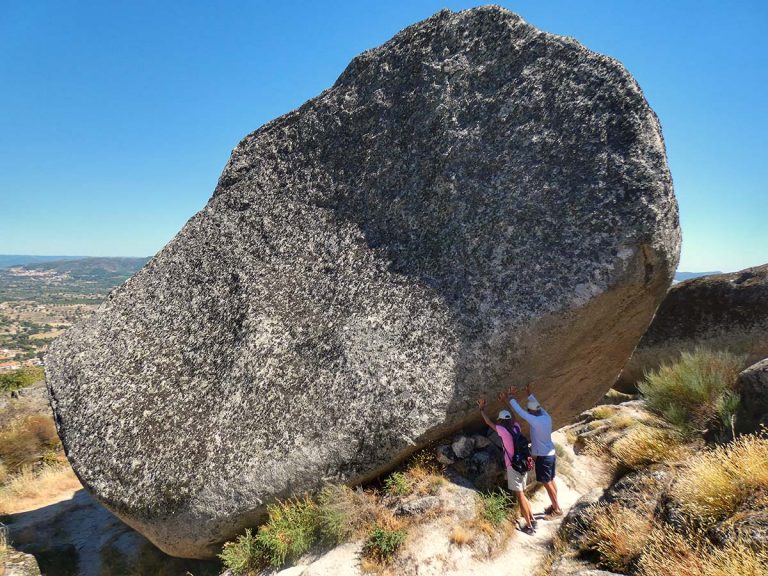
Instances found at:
x=519 y=410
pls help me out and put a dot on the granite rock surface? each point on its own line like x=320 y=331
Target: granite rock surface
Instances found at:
x=752 y=386
x=721 y=312
x=472 y=205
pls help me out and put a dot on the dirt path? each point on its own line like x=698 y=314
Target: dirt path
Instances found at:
x=430 y=551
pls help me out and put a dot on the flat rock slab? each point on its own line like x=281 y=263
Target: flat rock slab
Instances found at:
x=471 y=205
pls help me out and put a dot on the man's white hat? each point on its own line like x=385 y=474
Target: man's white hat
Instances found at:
x=505 y=415
x=533 y=404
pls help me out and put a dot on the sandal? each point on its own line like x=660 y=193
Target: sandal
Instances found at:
x=530 y=530
x=550 y=511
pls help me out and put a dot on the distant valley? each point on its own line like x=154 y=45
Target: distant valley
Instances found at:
x=41 y=296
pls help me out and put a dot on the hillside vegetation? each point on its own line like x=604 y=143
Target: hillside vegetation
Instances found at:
x=690 y=497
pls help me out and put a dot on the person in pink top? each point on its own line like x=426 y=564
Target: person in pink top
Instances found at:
x=516 y=481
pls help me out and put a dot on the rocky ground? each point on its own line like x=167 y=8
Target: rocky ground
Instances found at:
x=447 y=537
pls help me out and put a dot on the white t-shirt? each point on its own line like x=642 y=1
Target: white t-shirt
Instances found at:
x=541 y=428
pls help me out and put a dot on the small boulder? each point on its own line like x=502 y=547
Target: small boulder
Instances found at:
x=463 y=446
x=480 y=441
x=746 y=526
x=752 y=386
x=418 y=506
x=445 y=455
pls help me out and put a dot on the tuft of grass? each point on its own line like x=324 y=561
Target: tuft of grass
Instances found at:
x=622 y=421
x=26 y=441
x=461 y=536
x=291 y=530
x=618 y=534
x=643 y=445
x=384 y=541
x=722 y=479
x=603 y=412
x=668 y=552
x=494 y=507
x=613 y=396
x=243 y=556
x=397 y=484
x=29 y=489
x=697 y=392
x=344 y=513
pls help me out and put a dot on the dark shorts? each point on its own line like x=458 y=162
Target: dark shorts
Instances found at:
x=545 y=468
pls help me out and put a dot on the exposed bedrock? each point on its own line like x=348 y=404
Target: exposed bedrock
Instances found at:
x=721 y=312
x=472 y=205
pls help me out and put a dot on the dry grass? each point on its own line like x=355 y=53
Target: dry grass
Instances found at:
x=560 y=547
x=28 y=490
x=622 y=421
x=348 y=513
x=603 y=412
x=461 y=535
x=618 y=534
x=667 y=552
x=615 y=397
x=719 y=481
x=643 y=445
x=27 y=441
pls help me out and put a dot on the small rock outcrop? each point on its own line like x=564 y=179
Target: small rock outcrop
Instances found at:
x=752 y=386
x=473 y=205
x=722 y=312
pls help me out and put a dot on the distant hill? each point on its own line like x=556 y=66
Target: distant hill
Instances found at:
x=92 y=268
x=680 y=276
x=8 y=260
x=68 y=281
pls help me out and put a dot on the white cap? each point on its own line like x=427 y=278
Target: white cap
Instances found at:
x=505 y=415
x=533 y=404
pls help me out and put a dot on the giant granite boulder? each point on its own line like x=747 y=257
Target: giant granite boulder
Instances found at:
x=472 y=205
x=721 y=311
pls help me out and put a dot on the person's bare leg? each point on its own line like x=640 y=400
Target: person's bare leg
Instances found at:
x=525 y=508
x=552 y=491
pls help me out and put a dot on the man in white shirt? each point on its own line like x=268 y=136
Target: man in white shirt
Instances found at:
x=542 y=447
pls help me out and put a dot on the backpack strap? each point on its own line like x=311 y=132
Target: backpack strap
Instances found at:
x=504 y=447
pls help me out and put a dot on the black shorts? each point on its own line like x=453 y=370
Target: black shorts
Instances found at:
x=545 y=468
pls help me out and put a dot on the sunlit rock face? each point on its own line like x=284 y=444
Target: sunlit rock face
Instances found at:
x=472 y=205
x=718 y=312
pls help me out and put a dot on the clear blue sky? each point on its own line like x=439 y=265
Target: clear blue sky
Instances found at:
x=116 y=118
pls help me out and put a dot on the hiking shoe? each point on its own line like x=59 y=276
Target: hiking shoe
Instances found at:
x=550 y=511
x=535 y=524
x=530 y=530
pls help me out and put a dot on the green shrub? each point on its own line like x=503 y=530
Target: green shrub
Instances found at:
x=397 y=484
x=17 y=379
x=292 y=529
x=495 y=506
x=244 y=556
x=383 y=542
x=695 y=393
